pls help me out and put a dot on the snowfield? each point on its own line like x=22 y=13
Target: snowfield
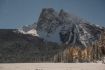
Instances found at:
x=52 y=66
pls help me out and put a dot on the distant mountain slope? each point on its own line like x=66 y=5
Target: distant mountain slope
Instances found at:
x=17 y=47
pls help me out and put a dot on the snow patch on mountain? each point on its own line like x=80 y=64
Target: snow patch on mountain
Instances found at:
x=31 y=32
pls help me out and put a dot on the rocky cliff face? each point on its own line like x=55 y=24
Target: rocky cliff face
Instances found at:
x=61 y=27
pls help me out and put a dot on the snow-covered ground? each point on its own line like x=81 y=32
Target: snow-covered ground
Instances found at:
x=52 y=66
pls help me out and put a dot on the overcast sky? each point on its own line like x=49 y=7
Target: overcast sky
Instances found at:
x=15 y=13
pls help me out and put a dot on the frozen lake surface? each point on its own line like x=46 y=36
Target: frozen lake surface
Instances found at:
x=52 y=66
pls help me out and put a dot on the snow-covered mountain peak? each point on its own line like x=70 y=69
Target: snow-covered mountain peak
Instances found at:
x=62 y=27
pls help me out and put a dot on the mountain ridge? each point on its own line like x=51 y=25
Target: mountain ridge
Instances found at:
x=65 y=28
